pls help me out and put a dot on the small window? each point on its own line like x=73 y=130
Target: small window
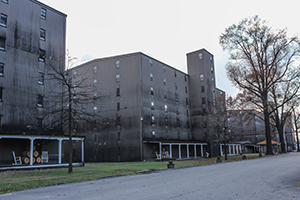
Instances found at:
x=118 y=92
x=187 y=113
x=178 y=123
x=40 y=100
x=166 y=121
x=41 y=78
x=152 y=105
x=118 y=136
x=175 y=74
x=153 y=132
x=151 y=91
x=166 y=108
x=212 y=70
x=150 y=62
x=151 y=77
x=152 y=119
x=118 y=106
x=95 y=138
x=43 y=13
x=185 y=78
x=1 y=94
x=165 y=95
x=176 y=97
x=188 y=124
x=95 y=69
x=201 y=77
x=1 y=69
x=95 y=108
x=118 y=120
x=39 y=122
x=176 y=87
x=202 y=89
x=42 y=55
x=164 y=69
x=3 y=20
x=213 y=80
x=43 y=34
x=200 y=56
x=5 y=1
x=95 y=95
x=95 y=82
x=2 y=43
x=117 y=64
x=118 y=78
x=203 y=100
x=165 y=82
x=186 y=90
x=75 y=74
x=187 y=101
x=177 y=111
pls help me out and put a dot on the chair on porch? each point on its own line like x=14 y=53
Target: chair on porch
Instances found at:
x=157 y=155
x=17 y=160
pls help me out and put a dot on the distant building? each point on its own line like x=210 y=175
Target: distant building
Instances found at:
x=151 y=109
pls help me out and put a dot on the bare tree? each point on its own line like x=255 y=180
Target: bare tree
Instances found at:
x=284 y=96
x=260 y=58
x=222 y=132
x=75 y=104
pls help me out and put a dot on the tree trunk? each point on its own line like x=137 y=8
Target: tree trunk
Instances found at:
x=70 y=135
x=267 y=123
x=297 y=137
x=226 y=151
x=281 y=137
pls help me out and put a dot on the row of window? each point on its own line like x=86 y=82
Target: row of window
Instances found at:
x=167 y=122
x=164 y=70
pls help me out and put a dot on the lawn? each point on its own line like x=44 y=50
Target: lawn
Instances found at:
x=21 y=180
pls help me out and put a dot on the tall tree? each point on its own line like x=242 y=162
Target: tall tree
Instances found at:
x=76 y=103
x=260 y=58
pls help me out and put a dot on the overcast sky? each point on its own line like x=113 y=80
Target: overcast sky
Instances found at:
x=165 y=29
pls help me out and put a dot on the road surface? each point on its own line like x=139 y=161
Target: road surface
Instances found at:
x=265 y=178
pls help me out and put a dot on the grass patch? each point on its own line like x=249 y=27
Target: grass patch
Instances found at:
x=20 y=180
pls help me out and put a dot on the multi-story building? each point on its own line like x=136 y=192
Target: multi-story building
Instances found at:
x=32 y=37
x=149 y=109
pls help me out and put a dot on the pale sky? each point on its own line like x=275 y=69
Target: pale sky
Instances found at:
x=165 y=29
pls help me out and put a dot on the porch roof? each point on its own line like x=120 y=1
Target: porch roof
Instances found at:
x=39 y=137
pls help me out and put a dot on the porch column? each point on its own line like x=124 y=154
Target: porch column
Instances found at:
x=160 y=151
x=237 y=149
x=229 y=149
x=31 y=151
x=82 y=150
x=187 y=151
x=59 y=150
x=202 y=150
x=221 y=150
x=195 y=150
x=179 y=148
x=170 y=150
x=233 y=149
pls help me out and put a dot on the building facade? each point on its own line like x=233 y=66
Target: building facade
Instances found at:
x=32 y=38
x=149 y=109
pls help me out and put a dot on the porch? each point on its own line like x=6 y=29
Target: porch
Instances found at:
x=30 y=152
x=174 y=150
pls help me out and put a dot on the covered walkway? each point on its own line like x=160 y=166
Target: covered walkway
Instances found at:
x=179 y=150
x=49 y=149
